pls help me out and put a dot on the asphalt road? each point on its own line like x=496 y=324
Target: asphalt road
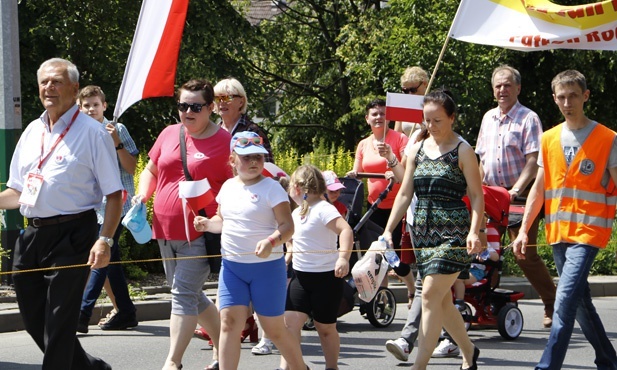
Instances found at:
x=362 y=345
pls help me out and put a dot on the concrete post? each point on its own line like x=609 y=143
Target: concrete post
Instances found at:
x=10 y=121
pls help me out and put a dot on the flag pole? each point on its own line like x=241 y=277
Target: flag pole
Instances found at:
x=443 y=49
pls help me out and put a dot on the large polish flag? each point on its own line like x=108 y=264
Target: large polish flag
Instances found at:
x=151 y=66
x=195 y=195
x=404 y=107
x=529 y=25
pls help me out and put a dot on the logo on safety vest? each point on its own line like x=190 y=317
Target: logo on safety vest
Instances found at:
x=587 y=167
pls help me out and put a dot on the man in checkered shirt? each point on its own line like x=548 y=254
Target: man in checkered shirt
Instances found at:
x=508 y=146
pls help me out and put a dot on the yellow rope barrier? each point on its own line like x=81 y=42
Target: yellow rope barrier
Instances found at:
x=53 y=268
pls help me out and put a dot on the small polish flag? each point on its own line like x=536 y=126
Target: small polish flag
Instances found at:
x=195 y=195
x=272 y=170
x=404 y=107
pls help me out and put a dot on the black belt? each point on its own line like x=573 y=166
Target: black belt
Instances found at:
x=54 y=220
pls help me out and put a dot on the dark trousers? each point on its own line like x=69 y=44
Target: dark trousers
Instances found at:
x=117 y=281
x=49 y=301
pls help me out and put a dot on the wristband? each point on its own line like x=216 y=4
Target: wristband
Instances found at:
x=271 y=240
x=393 y=162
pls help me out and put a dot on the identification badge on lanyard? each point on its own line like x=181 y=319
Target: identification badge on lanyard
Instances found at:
x=31 y=191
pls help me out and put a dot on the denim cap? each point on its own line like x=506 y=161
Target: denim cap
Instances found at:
x=250 y=148
x=136 y=222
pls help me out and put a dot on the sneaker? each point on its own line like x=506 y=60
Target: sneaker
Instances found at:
x=460 y=305
x=263 y=348
x=399 y=348
x=120 y=321
x=82 y=324
x=446 y=349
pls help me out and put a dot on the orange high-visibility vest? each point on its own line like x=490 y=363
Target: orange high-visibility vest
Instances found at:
x=578 y=209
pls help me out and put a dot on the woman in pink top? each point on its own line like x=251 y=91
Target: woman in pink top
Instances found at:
x=207 y=154
x=380 y=153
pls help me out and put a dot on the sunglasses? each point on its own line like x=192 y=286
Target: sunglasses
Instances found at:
x=246 y=141
x=195 y=107
x=411 y=90
x=225 y=98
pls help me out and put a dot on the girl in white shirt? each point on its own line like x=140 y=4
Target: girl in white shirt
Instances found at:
x=254 y=220
x=319 y=267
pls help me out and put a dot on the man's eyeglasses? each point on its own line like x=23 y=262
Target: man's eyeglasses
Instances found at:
x=195 y=107
x=225 y=98
x=246 y=141
x=411 y=90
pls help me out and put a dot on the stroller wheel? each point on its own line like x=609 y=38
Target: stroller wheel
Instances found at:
x=381 y=310
x=467 y=314
x=510 y=322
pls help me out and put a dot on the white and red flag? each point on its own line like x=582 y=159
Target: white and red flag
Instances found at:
x=151 y=66
x=272 y=170
x=195 y=195
x=404 y=107
x=537 y=24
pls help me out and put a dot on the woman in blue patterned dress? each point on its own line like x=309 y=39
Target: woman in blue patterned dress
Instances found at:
x=441 y=169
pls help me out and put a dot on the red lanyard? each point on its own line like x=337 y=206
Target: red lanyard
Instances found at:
x=62 y=135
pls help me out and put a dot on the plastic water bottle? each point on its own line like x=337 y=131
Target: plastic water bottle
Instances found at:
x=485 y=255
x=390 y=253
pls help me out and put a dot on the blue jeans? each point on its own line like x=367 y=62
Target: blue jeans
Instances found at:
x=573 y=301
x=116 y=280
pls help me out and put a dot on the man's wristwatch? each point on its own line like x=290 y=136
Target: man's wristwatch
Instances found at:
x=516 y=190
x=107 y=240
x=120 y=146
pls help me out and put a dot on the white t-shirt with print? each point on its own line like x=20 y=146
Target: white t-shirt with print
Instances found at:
x=248 y=217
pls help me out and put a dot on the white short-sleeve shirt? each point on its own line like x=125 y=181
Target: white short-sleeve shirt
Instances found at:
x=248 y=217
x=314 y=244
x=78 y=172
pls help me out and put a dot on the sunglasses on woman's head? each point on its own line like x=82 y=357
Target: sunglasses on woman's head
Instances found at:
x=195 y=107
x=245 y=141
x=225 y=98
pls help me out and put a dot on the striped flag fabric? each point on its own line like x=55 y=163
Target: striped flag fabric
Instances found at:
x=151 y=67
x=404 y=107
x=537 y=24
x=195 y=195
x=272 y=170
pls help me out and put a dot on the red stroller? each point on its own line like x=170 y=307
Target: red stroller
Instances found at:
x=486 y=304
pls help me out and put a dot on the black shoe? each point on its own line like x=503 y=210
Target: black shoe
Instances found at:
x=474 y=365
x=120 y=321
x=82 y=325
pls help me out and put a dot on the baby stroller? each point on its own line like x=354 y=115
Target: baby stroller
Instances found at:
x=380 y=311
x=486 y=304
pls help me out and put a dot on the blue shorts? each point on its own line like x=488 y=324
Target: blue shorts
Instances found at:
x=264 y=284
x=477 y=273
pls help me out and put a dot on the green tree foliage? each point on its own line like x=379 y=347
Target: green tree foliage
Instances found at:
x=322 y=60
x=97 y=37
